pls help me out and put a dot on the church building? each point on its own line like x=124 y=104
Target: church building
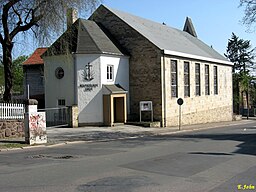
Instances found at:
x=109 y=64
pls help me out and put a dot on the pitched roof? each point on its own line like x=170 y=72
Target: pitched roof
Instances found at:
x=166 y=37
x=35 y=58
x=93 y=40
x=115 y=88
x=85 y=37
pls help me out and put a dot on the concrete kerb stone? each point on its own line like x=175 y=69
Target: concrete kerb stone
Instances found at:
x=160 y=132
x=169 y=131
x=203 y=127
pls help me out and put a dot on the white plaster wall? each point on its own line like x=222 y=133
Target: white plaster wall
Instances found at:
x=59 y=88
x=90 y=103
x=121 y=73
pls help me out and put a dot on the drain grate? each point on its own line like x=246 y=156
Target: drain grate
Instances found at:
x=42 y=156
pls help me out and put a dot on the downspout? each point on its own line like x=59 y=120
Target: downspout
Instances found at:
x=75 y=80
x=164 y=89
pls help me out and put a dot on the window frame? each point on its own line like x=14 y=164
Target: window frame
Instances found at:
x=198 y=76
x=215 y=80
x=174 y=84
x=186 y=75
x=61 y=102
x=207 y=79
x=110 y=72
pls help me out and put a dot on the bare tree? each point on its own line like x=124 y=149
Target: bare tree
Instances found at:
x=43 y=18
x=250 y=12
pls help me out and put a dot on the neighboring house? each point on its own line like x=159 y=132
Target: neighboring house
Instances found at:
x=117 y=53
x=33 y=69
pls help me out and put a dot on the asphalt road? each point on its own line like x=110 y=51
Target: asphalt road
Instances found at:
x=214 y=160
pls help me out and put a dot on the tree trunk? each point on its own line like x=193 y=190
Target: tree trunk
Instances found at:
x=8 y=77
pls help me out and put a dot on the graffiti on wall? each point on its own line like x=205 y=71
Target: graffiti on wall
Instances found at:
x=37 y=128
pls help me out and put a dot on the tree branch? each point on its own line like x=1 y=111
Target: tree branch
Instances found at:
x=16 y=12
x=25 y=20
x=1 y=39
x=26 y=27
x=6 y=9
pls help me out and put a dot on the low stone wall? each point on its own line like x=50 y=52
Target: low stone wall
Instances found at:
x=11 y=129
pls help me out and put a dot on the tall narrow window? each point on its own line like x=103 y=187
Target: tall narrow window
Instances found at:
x=174 y=79
x=110 y=72
x=197 y=76
x=215 y=72
x=186 y=79
x=207 y=80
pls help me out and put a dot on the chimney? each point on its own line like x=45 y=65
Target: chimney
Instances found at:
x=72 y=16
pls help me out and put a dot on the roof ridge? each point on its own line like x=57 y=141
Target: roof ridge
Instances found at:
x=164 y=25
x=161 y=36
x=35 y=57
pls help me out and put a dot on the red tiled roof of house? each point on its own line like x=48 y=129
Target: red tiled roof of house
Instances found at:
x=35 y=58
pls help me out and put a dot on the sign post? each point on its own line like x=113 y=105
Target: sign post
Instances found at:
x=180 y=102
x=146 y=106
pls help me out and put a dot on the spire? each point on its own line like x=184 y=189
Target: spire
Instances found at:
x=189 y=27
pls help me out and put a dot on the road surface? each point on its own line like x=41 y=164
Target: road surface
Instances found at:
x=214 y=160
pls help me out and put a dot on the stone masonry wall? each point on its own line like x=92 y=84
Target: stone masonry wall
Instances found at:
x=145 y=78
x=144 y=64
x=203 y=108
x=11 y=129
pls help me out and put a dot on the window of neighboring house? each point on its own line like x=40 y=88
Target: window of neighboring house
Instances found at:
x=110 y=72
x=61 y=102
x=207 y=80
x=197 y=76
x=215 y=73
x=174 y=79
x=186 y=79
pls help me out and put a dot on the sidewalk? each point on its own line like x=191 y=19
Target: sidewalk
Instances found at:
x=62 y=135
x=89 y=134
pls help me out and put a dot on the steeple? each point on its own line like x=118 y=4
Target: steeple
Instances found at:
x=189 y=27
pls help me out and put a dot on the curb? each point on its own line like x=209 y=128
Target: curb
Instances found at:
x=205 y=128
x=49 y=145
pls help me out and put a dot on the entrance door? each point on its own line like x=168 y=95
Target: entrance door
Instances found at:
x=119 y=110
x=114 y=109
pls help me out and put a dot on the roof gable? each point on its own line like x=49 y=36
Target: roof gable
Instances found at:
x=83 y=37
x=66 y=43
x=189 y=27
x=163 y=36
x=35 y=58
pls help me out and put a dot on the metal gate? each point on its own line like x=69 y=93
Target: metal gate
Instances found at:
x=56 y=117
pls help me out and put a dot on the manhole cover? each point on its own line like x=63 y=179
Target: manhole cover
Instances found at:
x=65 y=157
x=41 y=156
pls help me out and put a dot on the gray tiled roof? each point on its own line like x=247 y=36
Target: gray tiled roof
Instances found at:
x=115 y=88
x=168 y=38
x=91 y=39
x=83 y=36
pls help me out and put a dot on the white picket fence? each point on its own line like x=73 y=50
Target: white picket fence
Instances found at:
x=12 y=111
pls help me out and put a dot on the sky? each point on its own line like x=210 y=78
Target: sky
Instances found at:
x=214 y=20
